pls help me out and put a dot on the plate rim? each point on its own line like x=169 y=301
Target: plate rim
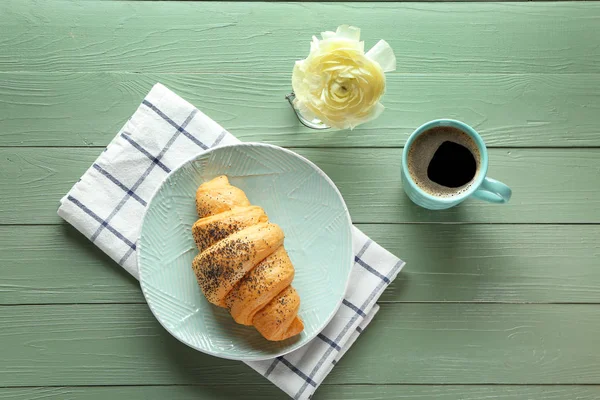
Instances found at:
x=349 y=225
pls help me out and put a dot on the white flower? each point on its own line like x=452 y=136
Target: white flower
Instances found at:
x=338 y=83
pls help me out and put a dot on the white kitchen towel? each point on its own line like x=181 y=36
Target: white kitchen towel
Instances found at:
x=108 y=202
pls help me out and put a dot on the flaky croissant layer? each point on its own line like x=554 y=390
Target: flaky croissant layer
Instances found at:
x=242 y=264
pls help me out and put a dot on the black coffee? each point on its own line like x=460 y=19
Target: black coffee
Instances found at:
x=443 y=161
x=452 y=165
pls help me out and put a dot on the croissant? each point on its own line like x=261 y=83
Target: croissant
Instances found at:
x=242 y=264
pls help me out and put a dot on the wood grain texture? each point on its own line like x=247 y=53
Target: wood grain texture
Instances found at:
x=493 y=263
x=57 y=264
x=459 y=263
x=87 y=109
x=325 y=391
x=524 y=74
x=549 y=185
x=269 y=37
x=433 y=344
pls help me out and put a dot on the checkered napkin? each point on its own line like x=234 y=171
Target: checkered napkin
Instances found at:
x=108 y=202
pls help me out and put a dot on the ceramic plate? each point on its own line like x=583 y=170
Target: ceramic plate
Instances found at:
x=295 y=194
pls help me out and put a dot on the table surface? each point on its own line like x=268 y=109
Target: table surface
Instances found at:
x=496 y=302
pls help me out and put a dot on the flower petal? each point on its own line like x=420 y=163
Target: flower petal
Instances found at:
x=348 y=32
x=327 y=35
x=338 y=83
x=314 y=45
x=376 y=112
x=383 y=54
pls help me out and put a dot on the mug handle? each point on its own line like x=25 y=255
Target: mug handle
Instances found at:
x=493 y=191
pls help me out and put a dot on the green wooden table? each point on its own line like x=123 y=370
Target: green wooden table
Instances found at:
x=496 y=302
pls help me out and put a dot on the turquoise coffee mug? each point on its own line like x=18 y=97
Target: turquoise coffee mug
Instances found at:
x=483 y=188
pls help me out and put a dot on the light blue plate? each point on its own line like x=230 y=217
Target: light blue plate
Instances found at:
x=296 y=195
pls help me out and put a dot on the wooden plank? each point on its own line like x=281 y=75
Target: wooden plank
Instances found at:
x=87 y=109
x=493 y=263
x=56 y=264
x=550 y=185
x=462 y=263
x=432 y=344
x=325 y=391
x=234 y=37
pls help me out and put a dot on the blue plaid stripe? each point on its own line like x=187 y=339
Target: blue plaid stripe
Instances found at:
x=358 y=311
x=126 y=255
x=371 y=269
x=292 y=367
x=219 y=138
x=271 y=367
x=155 y=160
x=354 y=308
x=102 y=222
x=364 y=248
x=374 y=293
x=118 y=183
x=359 y=330
x=359 y=261
x=329 y=341
x=180 y=128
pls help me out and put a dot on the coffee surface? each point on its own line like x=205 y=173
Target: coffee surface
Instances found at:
x=444 y=161
x=452 y=165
